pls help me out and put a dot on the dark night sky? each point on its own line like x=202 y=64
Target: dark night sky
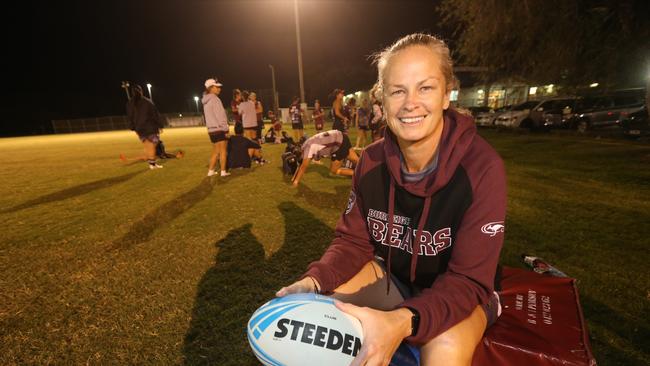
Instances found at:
x=80 y=51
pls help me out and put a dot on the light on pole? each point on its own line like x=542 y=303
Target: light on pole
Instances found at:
x=275 y=93
x=196 y=101
x=302 y=82
x=149 y=88
x=125 y=86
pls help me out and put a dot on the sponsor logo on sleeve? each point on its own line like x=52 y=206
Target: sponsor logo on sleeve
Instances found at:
x=493 y=228
x=351 y=200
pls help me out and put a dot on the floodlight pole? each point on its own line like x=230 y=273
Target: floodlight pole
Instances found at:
x=302 y=82
x=125 y=86
x=196 y=101
x=275 y=93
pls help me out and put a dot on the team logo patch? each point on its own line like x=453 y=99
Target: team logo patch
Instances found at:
x=351 y=200
x=493 y=228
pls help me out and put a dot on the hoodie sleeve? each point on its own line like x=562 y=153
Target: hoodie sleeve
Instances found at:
x=158 y=119
x=351 y=248
x=130 y=115
x=469 y=279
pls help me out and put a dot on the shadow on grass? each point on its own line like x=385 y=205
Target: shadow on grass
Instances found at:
x=625 y=328
x=241 y=280
x=336 y=200
x=141 y=231
x=74 y=191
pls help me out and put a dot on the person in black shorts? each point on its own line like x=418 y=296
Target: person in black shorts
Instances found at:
x=334 y=144
x=296 y=119
x=340 y=120
x=144 y=119
x=234 y=104
x=217 y=125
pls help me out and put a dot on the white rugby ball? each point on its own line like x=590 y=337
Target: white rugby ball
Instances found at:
x=304 y=329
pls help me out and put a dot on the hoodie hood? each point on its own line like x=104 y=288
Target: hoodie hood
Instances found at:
x=458 y=132
x=207 y=97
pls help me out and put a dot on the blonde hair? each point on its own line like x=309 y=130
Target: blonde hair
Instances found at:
x=435 y=44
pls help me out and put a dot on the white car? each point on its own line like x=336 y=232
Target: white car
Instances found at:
x=485 y=118
x=536 y=114
x=516 y=115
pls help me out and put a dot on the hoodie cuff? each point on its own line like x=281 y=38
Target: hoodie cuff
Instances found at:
x=419 y=337
x=318 y=274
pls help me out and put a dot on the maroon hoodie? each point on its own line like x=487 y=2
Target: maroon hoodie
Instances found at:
x=454 y=216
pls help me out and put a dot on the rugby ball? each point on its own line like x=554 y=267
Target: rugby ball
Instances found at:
x=301 y=329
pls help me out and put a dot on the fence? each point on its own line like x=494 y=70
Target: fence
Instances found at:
x=110 y=123
x=90 y=124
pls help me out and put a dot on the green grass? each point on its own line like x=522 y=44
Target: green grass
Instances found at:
x=106 y=263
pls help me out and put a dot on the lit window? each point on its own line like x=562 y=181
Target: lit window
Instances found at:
x=453 y=96
x=532 y=90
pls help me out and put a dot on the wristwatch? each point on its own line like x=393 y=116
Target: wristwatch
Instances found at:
x=415 y=321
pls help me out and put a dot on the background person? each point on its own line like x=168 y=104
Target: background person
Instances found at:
x=377 y=125
x=296 y=119
x=144 y=119
x=275 y=122
x=334 y=144
x=318 y=116
x=234 y=104
x=248 y=115
x=239 y=148
x=340 y=120
x=362 y=115
x=259 y=112
x=249 y=121
x=410 y=259
x=217 y=123
x=350 y=113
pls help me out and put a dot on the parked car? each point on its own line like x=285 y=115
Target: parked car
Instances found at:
x=637 y=124
x=535 y=114
x=516 y=115
x=605 y=110
x=482 y=115
x=489 y=118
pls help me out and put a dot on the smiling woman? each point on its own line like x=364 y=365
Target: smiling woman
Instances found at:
x=409 y=259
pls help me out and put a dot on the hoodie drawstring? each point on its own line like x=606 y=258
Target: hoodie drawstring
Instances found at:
x=415 y=241
x=391 y=214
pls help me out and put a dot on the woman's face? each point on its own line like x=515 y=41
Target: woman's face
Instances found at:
x=414 y=94
x=253 y=97
x=238 y=97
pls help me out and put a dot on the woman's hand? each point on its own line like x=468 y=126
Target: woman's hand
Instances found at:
x=307 y=284
x=383 y=331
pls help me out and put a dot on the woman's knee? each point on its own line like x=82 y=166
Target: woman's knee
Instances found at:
x=456 y=345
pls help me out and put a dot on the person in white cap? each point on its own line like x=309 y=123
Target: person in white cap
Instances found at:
x=217 y=124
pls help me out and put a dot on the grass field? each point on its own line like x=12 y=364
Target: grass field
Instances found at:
x=107 y=263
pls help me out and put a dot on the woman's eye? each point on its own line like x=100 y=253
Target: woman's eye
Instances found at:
x=397 y=92
x=426 y=88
